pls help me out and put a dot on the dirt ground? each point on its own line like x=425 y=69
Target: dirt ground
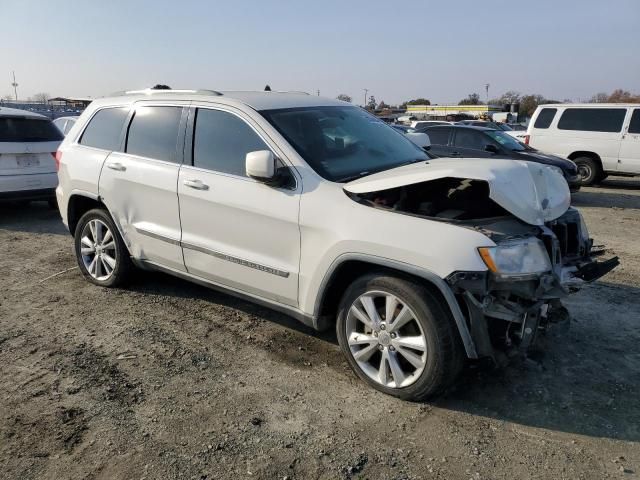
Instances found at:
x=166 y=379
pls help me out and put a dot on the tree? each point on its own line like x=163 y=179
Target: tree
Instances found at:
x=267 y=88
x=417 y=101
x=344 y=97
x=382 y=105
x=623 y=96
x=529 y=103
x=41 y=97
x=160 y=86
x=371 y=104
x=472 y=99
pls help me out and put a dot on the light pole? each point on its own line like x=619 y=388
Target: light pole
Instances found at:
x=486 y=87
x=15 y=86
x=366 y=90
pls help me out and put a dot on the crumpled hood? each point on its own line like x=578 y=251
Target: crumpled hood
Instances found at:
x=532 y=192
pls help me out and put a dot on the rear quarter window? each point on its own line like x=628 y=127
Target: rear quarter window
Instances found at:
x=545 y=117
x=592 y=119
x=104 y=129
x=21 y=129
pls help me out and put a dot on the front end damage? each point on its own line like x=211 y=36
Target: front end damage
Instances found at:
x=506 y=313
x=541 y=253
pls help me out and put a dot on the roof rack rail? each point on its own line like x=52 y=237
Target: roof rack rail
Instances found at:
x=151 y=91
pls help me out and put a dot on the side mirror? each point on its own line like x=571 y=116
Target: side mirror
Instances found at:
x=491 y=148
x=261 y=165
x=420 y=139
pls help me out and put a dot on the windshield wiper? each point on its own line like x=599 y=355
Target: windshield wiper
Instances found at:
x=353 y=177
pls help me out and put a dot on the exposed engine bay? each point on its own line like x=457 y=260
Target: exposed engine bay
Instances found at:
x=505 y=310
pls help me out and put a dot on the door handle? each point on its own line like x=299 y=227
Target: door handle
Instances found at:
x=116 y=166
x=197 y=184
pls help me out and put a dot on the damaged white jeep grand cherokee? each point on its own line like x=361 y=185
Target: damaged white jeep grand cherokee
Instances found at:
x=316 y=208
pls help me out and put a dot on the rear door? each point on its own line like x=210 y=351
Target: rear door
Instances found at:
x=469 y=143
x=237 y=231
x=439 y=137
x=630 y=145
x=27 y=149
x=139 y=183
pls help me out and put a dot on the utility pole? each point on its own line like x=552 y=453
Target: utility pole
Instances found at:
x=15 y=86
x=366 y=90
x=318 y=92
x=486 y=87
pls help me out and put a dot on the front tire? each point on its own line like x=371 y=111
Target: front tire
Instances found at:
x=102 y=256
x=398 y=337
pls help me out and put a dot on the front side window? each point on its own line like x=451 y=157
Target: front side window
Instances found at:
x=222 y=140
x=105 y=128
x=22 y=129
x=634 y=125
x=545 y=117
x=343 y=143
x=505 y=140
x=153 y=133
x=592 y=119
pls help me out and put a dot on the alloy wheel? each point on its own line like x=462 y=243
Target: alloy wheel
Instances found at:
x=98 y=250
x=385 y=339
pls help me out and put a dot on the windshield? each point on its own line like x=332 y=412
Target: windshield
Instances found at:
x=20 y=129
x=506 y=140
x=342 y=143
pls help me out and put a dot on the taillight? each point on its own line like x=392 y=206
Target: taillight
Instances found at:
x=526 y=139
x=57 y=156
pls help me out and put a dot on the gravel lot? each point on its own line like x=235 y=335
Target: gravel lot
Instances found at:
x=166 y=379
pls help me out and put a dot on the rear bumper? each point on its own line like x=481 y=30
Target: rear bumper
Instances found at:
x=40 y=185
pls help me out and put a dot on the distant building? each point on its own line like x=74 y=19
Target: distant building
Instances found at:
x=74 y=103
x=442 y=112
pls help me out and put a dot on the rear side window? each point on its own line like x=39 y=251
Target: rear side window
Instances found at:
x=592 y=119
x=467 y=138
x=545 y=117
x=634 y=125
x=153 y=133
x=21 y=129
x=222 y=140
x=438 y=135
x=104 y=129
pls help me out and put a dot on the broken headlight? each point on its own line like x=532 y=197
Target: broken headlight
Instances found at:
x=517 y=258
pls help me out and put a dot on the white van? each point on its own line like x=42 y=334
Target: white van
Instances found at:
x=601 y=138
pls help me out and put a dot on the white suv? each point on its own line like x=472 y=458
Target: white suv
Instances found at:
x=316 y=208
x=28 y=143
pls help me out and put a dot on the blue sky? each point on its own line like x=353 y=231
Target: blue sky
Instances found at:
x=399 y=50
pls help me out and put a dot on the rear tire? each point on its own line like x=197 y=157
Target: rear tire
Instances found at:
x=102 y=256
x=413 y=359
x=589 y=169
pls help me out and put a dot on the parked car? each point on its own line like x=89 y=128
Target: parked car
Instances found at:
x=478 y=142
x=420 y=124
x=320 y=210
x=28 y=142
x=517 y=134
x=65 y=124
x=402 y=128
x=600 y=138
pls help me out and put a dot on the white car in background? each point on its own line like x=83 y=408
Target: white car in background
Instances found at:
x=519 y=135
x=601 y=138
x=65 y=124
x=28 y=144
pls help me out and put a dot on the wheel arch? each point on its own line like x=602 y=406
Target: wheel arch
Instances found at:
x=78 y=205
x=348 y=267
x=585 y=153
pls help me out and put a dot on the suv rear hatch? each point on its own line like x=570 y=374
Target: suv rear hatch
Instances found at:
x=28 y=145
